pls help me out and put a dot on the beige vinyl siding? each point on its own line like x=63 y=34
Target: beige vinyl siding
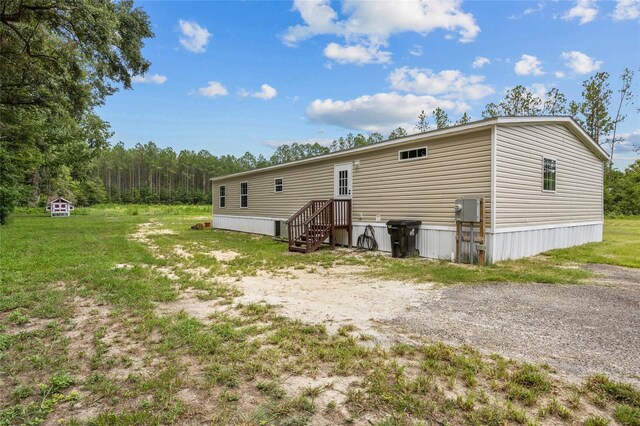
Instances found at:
x=520 y=200
x=300 y=184
x=423 y=189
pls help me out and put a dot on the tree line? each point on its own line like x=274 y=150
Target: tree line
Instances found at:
x=59 y=61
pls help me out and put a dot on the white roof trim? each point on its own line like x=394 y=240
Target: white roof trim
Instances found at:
x=57 y=199
x=432 y=134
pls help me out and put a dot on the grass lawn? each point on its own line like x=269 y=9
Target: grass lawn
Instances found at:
x=84 y=339
x=621 y=246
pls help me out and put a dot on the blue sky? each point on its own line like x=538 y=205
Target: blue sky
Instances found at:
x=232 y=77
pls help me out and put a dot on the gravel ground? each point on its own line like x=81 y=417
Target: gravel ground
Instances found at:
x=576 y=329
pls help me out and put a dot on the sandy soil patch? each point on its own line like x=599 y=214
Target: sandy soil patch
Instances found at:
x=34 y=324
x=117 y=345
x=123 y=266
x=336 y=297
x=166 y=272
x=180 y=251
x=222 y=256
x=331 y=390
x=90 y=316
x=148 y=229
x=189 y=302
x=198 y=272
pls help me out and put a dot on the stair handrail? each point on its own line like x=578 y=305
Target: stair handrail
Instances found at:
x=327 y=203
x=321 y=223
x=299 y=212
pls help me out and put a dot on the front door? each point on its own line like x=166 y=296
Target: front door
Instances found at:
x=342 y=181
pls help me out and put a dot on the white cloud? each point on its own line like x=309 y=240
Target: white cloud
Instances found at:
x=319 y=18
x=528 y=65
x=531 y=10
x=357 y=54
x=383 y=19
x=535 y=9
x=378 y=112
x=560 y=74
x=195 y=37
x=628 y=141
x=480 y=61
x=213 y=89
x=369 y=24
x=626 y=9
x=416 y=50
x=625 y=151
x=450 y=84
x=152 y=79
x=266 y=92
x=580 y=63
x=539 y=90
x=584 y=10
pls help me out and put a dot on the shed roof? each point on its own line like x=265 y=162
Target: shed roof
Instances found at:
x=568 y=121
x=59 y=199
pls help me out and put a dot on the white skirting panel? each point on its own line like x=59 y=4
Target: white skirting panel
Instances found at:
x=254 y=225
x=432 y=242
x=514 y=243
x=439 y=242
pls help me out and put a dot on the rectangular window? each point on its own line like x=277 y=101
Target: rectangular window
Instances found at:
x=244 y=194
x=412 y=154
x=548 y=174
x=278 y=185
x=343 y=182
x=223 y=196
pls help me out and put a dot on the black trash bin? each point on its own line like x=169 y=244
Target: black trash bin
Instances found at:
x=403 y=237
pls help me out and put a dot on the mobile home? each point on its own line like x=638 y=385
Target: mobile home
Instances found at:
x=541 y=179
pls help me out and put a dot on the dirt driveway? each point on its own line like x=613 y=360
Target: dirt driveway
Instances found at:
x=576 y=329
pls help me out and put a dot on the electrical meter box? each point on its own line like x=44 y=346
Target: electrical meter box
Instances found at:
x=467 y=210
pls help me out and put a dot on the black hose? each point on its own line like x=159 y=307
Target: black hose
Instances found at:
x=367 y=241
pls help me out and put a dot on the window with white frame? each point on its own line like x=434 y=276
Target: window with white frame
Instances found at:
x=278 y=185
x=244 y=194
x=223 y=196
x=412 y=154
x=549 y=174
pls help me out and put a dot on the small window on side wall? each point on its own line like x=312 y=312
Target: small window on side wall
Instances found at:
x=244 y=194
x=278 y=185
x=223 y=196
x=412 y=154
x=549 y=174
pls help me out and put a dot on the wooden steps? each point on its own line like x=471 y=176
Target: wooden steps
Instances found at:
x=316 y=222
